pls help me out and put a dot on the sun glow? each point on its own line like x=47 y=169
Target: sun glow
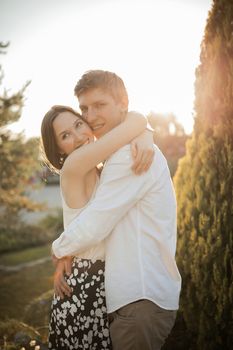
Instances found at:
x=153 y=45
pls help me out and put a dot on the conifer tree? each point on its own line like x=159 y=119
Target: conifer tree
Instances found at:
x=204 y=187
x=19 y=158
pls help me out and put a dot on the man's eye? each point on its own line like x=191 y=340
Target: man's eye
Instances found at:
x=83 y=110
x=99 y=105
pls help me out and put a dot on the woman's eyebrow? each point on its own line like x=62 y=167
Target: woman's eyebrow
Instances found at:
x=62 y=132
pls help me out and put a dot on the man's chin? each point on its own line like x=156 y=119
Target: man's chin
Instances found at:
x=99 y=133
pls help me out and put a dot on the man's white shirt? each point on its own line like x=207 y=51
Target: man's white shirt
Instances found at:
x=136 y=215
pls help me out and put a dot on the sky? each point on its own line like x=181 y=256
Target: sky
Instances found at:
x=153 y=45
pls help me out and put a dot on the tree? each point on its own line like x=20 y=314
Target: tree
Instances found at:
x=204 y=187
x=19 y=158
x=170 y=136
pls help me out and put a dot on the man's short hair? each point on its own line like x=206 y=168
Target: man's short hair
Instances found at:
x=104 y=80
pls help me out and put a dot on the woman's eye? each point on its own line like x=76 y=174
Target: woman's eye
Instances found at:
x=64 y=136
x=78 y=124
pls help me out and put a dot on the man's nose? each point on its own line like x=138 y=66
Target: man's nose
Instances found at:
x=90 y=115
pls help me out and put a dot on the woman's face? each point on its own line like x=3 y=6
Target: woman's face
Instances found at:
x=71 y=132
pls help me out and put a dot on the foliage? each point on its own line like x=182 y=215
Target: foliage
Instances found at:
x=15 y=335
x=24 y=236
x=204 y=187
x=37 y=312
x=170 y=137
x=176 y=339
x=19 y=158
x=25 y=288
x=53 y=222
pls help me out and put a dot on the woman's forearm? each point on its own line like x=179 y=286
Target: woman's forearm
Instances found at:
x=88 y=156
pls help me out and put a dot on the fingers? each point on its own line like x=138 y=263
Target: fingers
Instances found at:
x=68 y=265
x=148 y=160
x=58 y=288
x=134 y=149
x=58 y=292
x=143 y=161
x=137 y=162
x=61 y=287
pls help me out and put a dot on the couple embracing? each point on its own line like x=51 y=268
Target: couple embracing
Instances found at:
x=116 y=283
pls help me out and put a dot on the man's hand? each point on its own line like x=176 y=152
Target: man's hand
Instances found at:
x=63 y=266
x=143 y=152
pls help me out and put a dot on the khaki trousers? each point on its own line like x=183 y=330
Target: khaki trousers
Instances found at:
x=141 y=325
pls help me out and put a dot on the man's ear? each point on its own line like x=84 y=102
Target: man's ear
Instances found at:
x=124 y=103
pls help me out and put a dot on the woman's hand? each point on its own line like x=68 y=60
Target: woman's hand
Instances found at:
x=143 y=152
x=63 y=266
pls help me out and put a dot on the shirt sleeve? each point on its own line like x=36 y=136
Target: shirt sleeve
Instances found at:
x=118 y=191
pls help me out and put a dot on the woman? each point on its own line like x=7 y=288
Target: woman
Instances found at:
x=79 y=321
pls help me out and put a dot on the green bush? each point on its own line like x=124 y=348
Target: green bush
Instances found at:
x=15 y=239
x=53 y=222
x=24 y=236
x=204 y=187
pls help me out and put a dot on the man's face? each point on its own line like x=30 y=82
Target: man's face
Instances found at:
x=101 y=111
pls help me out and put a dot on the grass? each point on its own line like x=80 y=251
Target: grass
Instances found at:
x=17 y=289
x=26 y=255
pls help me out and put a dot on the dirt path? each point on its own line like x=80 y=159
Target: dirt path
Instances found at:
x=23 y=265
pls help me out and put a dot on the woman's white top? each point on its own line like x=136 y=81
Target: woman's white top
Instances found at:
x=96 y=252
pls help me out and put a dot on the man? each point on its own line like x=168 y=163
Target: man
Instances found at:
x=141 y=279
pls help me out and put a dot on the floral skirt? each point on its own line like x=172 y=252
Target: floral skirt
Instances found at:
x=80 y=321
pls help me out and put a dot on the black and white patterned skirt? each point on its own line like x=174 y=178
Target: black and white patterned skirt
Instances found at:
x=80 y=321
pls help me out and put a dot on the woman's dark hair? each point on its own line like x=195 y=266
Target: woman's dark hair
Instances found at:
x=49 y=148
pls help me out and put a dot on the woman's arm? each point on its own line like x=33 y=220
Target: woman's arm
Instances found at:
x=82 y=160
